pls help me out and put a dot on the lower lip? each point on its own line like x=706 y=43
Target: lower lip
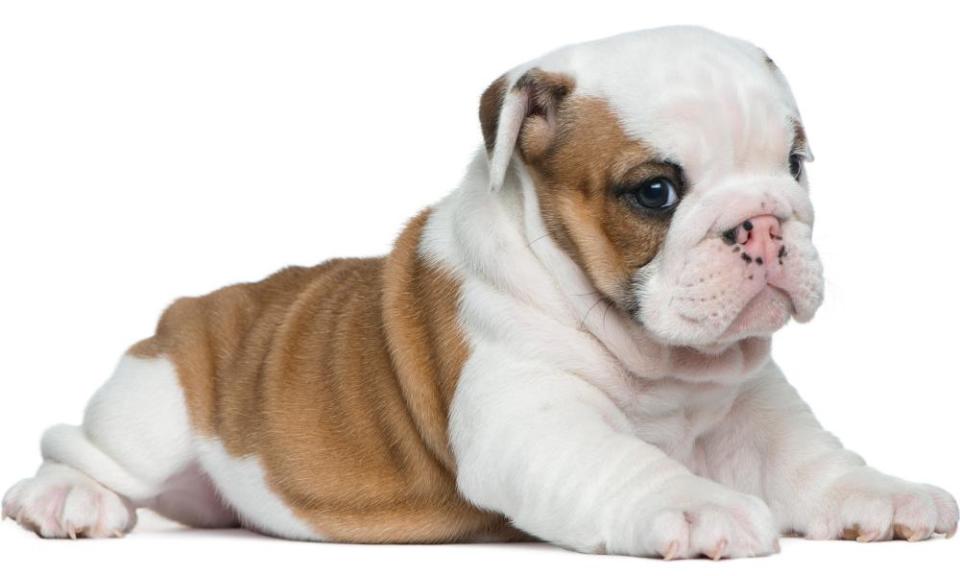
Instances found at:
x=767 y=311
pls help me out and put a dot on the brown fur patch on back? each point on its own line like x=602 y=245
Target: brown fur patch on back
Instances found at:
x=339 y=378
x=576 y=178
x=421 y=322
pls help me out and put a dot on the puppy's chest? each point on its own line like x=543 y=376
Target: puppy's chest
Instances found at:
x=673 y=415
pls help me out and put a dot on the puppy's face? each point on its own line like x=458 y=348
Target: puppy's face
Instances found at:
x=668 y=164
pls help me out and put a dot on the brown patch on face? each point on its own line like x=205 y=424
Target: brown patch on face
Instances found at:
x=577 y=179
x=339 y=379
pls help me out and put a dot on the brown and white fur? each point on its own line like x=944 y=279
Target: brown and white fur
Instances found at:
x=538 y=357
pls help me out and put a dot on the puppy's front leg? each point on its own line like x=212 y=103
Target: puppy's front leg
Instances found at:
x=558 y=458
x=772 y=445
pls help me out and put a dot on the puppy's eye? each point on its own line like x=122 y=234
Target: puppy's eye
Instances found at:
x=796 y=166
x=655 y=194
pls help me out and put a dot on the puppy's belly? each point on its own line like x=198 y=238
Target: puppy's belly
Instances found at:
x=319 y=398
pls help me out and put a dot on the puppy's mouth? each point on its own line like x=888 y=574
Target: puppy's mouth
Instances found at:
x=769 y=310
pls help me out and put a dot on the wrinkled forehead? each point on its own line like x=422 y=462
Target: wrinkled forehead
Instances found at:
x=707 y=102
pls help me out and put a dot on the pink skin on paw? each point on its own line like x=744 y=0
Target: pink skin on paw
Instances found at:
x=62 y=503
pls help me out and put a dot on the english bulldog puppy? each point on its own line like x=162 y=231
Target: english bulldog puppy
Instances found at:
x=574 y=347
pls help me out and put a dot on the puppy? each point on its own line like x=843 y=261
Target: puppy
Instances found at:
x=574 y=347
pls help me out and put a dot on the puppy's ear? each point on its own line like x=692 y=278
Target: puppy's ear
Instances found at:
x=521 y=117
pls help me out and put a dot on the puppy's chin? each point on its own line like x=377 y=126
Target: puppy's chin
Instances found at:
x=763 y=315
x=769 y=310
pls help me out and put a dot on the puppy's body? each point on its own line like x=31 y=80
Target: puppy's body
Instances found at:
x=337 y=379
x=539 y=356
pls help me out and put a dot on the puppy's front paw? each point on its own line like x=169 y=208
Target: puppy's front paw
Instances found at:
x=695 y=517
x=869 y=506
x=60 y=502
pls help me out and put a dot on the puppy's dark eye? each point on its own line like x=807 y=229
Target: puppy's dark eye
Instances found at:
x=655 y=194
x=796 y=165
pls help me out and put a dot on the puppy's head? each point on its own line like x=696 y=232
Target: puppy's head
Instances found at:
x=668 y=164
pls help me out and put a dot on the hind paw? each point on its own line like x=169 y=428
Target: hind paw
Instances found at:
x=60 y=502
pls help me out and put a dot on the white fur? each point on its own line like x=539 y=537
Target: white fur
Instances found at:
x=593 y=432
x=135 y=432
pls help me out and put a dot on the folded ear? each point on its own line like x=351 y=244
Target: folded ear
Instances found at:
x=520 y=116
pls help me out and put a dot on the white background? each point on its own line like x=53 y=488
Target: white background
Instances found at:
x=151 y=150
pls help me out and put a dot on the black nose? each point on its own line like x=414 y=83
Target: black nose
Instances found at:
x=730 y=236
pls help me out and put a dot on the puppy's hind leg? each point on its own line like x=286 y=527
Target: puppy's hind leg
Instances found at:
x=134 y=449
